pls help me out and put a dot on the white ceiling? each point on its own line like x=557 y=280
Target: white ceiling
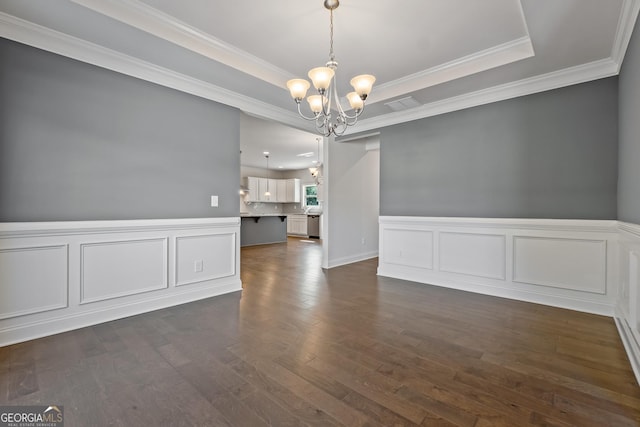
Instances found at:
x=444 y=54
x=288 y=148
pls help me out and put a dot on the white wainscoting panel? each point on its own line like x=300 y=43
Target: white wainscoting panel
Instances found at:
x=206 y=257
x=627 y=313
x=575 y=264
x=117 y=269
x=412 y=248
x=32 y=280
x=58 y=276
x=564 y=263
x=473 y=254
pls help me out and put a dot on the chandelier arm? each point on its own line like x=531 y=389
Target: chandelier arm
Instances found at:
x=324 y=129
x=339 y=129
x=326 y=110
x=321 y=123
x=341 y=110
x=357 y=114
x=339 y=133
x=315 y=117
x=334 y=91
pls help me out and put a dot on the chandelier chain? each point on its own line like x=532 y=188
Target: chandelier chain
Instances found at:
x=331 y=55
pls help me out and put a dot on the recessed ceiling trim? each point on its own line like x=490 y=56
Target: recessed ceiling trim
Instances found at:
x=495 y=56
x=35 y=35
x=148 y=19
x=554 y=80
x=28 y=33
x=626 y=23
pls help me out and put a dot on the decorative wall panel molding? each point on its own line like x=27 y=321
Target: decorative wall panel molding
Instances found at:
x=576 y=264
x=473 y=254
x=58 y=276
x=117 y=269
x=411 y=248
x=564 y=263
x=204 y=257
x=33 y=279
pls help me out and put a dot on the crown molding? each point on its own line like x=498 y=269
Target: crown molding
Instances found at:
x=35 y=35
x=146 y=18
x=496 y=56
x=554 y=80
x=151 y=20
x=28 y=33
x=626 y=24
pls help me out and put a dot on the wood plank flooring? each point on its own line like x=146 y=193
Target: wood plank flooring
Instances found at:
x=305 y=347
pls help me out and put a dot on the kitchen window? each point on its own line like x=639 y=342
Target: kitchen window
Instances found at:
x=310 y=195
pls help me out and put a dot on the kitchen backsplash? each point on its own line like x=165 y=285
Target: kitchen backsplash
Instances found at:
x=271 y=208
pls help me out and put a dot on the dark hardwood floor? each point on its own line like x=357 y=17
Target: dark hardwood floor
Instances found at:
x=302 y=346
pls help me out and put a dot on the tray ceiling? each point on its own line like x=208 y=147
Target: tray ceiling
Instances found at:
x=433 y=56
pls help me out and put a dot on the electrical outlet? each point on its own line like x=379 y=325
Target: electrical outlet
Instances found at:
x=198 y=266
x=214 y=201
x=364 y=240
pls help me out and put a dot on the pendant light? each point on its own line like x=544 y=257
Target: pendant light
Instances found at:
x=315 y=171
x=267 y=193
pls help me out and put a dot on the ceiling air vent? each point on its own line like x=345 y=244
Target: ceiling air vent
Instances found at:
x=402 y=104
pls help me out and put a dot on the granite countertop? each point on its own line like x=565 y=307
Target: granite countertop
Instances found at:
x=250 y=215
x=253 y=215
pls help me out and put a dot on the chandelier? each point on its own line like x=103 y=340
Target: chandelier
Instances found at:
x=327 y=99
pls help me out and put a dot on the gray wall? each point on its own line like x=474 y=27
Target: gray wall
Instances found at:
x=78 y=142
x=268 y=229
x=351 y=202
x=548 y=155
x=629 y=166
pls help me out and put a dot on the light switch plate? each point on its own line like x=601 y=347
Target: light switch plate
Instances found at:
x=214 y=201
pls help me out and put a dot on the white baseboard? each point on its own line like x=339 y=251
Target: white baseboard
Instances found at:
x=630 y=342
x=570 y=303
x=59 y=276
x=336 y=262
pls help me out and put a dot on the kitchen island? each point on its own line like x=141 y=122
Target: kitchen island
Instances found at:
x=262 y=229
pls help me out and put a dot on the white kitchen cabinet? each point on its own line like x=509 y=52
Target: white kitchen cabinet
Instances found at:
x=282 y=190
x=282 y=195
x=293 y=190
x=264 y=188
x=297 y=225
x=257 y=187
x=253 y=184
x=278 y=191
